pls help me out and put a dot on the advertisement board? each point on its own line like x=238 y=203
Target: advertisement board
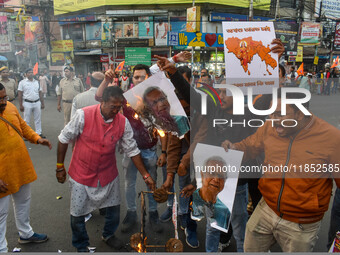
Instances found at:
x=287 y=32
x=310 y=33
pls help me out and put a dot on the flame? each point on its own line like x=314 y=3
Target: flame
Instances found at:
x=128 y=105
x=161 y=133
x=140 y=248
x=135 y=116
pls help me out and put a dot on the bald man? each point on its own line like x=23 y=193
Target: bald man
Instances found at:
x=87 y=98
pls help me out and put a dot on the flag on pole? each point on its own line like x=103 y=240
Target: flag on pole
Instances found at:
x=120 y=67
x=35 y=68
x=336 y=62
x=300 y=70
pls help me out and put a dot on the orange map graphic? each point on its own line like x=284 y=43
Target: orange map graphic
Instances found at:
x=245 y=49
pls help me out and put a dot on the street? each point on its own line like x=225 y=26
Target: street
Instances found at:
x=51 y=216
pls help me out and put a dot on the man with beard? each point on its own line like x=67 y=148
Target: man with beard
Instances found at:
x=16 y=172
x=294 y=201
x=157 y=103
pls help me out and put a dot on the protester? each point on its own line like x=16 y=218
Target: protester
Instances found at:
x=328 y=82
x=93 y=172
x=287 y=213
x=31 y=100
x=17 y=172
x=292 y=76
x=87 y=98
x=9 y=83
x=44 y=83
x=69 y=87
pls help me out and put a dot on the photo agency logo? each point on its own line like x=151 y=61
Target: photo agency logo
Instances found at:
x=239 y=105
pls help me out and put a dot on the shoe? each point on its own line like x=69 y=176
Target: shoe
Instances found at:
x=167 y=215
x=222 y=246
x=182 y=219
x=129 y=221
x=154 y=222
x=36 y=238
x=191 y=238
x=42 y=136
x=113 y=242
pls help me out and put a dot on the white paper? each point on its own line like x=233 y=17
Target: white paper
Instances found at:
x=233 y=158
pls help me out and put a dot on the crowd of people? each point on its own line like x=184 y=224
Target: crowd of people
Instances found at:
x=286 y=208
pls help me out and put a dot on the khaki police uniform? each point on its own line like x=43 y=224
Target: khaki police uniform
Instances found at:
x=68 y=89
x=10 y=87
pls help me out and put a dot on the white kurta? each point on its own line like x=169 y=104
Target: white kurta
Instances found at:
x=85 y=199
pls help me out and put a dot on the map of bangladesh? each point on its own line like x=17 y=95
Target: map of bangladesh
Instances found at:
x=245 y=49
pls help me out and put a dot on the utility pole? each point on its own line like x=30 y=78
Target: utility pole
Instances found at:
x=277 y=8
x=251 y=10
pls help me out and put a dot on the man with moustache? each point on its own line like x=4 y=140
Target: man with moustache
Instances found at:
x=10 y=84
x=94 y=179
x=16 y=172
x=294 y=201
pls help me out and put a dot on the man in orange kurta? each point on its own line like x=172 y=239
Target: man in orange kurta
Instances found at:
x=16 y=172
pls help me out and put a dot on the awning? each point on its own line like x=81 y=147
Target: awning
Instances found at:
x=3 y=58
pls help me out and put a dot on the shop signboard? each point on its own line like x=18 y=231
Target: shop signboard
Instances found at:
x=67 y=6
x=58 y=59
x=76 y=19
x=104 y=58
x=134 y=56
x=337 y=37
x=219 y=16
x=197 y=39
x=287 y=32
x=134 y=43
x=62 y=46
x=329 y=9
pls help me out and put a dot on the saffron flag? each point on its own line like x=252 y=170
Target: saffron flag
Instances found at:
x=35 y=68
x=336 y=62
x=120 y=67
x=300 y=70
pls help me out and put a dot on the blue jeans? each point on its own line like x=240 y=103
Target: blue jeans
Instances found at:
x=80 y=239
x=335 y=218
x=239 y=216
x=335 y=88
x=212 y=238
x=149 y=157
x=183 y=203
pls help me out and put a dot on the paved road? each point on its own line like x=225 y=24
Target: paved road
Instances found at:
x=51 y=216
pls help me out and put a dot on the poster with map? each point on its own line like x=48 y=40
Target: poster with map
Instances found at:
x=249 y=62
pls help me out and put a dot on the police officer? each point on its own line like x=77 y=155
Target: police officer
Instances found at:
x=69 y=87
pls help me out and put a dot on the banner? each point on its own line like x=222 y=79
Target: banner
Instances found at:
x=93 y=31
x=21 y=23
x=125 y=30
x=5 y=44
x=337 y=37
x=161 y=32
x=330 y=8
x=134 y=56
x=67 y=6
x=106 y=33
x=310 y=33
x=178 y=24
x=287 y=32
x=219 y=16
x=299 y=56
x=196 y=39
x=145 y=27
x=193 y=19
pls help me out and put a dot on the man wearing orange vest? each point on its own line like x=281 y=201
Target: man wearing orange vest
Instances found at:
x=93 y=172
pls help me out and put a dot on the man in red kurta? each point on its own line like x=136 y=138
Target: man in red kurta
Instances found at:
x=16 y=171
